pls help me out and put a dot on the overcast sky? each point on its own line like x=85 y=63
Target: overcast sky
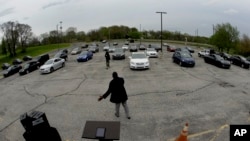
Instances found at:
x=186 y=16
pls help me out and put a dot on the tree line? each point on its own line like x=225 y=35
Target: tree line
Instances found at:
x=17 y=35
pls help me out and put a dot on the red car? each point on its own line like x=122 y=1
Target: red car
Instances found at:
x=171 y=48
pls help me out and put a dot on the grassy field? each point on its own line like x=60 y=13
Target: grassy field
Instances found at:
x=33 y=51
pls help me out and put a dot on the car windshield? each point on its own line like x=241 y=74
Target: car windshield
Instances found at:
x=218 y=57
x=10 y=68
x=119 y=50
x=84 y=53
x=185 y=55
x=243 y=58
x=150 y=49
x=49 y=62
x=138 y=56
x=58 y=54
x=26 y=66
x=75 y=49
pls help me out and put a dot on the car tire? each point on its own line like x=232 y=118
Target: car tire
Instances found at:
x=63 y=64
x=51 y=69
x=180 y=63
x=242 y=65
x=27 y=72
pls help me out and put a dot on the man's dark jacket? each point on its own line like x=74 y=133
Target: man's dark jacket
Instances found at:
x=117 y=91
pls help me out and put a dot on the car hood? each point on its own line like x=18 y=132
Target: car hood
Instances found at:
x=46 y=66
x=187 y=59
x=118 y=54
x=151 y=52
x=138 y=60
x=82 y=56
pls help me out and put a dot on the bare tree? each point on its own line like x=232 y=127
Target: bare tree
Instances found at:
x=25 y=33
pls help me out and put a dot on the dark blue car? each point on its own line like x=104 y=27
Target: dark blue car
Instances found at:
x=85 y=56
x=183 y=59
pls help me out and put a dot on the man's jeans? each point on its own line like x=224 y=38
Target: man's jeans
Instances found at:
x=125 y=106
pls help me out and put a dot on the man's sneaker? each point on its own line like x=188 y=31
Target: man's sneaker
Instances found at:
x=116 y=115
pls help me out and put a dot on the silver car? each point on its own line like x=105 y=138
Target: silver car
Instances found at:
x=52 y=65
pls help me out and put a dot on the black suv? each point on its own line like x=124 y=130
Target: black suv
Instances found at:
x=42 y=59
x=62 y=54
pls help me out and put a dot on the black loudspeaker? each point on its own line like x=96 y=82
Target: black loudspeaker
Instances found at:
x=37 y=127
x=50 y=134
x=37 y=115
x=26 y=121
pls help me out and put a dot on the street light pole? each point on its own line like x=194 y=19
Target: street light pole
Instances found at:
x=161 y=26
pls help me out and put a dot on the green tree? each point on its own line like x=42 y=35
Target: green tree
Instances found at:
x=226 y=37
x=244 y=46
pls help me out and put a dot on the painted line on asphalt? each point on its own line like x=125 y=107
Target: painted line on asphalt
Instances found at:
x=217 y=131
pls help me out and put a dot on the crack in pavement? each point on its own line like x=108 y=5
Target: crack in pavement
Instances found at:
x=45 y=100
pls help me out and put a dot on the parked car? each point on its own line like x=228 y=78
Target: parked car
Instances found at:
x=204 y=52
x=111 y=49
x=17 y=61
x=85 y=56
x=151 y=52
x=84 y=45
x=61 y=54
x=106 y=48
x=27 y=58
x=133 y=48
x=52 y=65
x=118 y=54
x=142 y=47
x=166 y=44
x=171 y=48
x=93 y=49
x=115 y=43
x=42 y=59
x=64 y=51
x=183 y=58
x=5 y=66
x=125 y=47
x=76 y=50
x=157 y=48
x=126 y=43
x=217 y=60
x=191 y=50
x=240 y=61
x=224 y=55
x=139 y=60
x=12 y=70
x=29 y=67
x=183 y=50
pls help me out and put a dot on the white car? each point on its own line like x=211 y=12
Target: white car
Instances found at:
x=76 y=51
x=125 y=47
x=106 y=48
x=52 y=65
x=203 y=52
x=139 y=60
x=151 y=52
x=112 y=49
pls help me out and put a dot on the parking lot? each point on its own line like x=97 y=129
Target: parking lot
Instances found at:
x=161 y=99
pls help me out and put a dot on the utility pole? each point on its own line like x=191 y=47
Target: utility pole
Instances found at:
x=161 y=26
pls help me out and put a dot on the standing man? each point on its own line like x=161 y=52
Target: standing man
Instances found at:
x=118 y=94
x=107 y=56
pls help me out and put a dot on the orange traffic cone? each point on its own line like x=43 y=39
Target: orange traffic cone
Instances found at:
x=184 y=133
